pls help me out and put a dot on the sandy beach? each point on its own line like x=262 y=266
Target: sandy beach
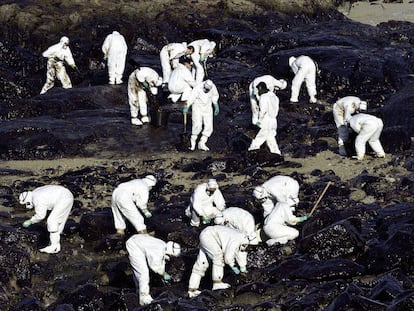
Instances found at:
x=376 y=12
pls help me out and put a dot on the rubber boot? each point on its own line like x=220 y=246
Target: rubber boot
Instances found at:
x=193 y=142
x=202 y=143
x=54 y=246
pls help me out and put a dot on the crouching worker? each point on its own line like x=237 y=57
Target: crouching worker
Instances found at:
x=206 y=202
x=54 y=198
x=276 y=224
x=221 y=245
x=146 y=252
x=127 y=198
x=369 y=130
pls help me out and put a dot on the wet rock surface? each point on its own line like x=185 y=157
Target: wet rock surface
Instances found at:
x=355 y=252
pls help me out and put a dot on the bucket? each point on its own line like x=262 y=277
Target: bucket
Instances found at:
x=159 y=118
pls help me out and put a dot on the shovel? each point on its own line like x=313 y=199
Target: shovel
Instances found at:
x=184 y=138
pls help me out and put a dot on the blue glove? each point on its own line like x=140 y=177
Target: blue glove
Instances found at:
x=27 y=223
x=235 y=270
x=145 y=84
x=303 y=218
x=216 y=109
x=243 y=270
x=147 y=213
x=166 y=277
x=201 y=59
x=206 y=220
x=258 y=124
x=185 y=110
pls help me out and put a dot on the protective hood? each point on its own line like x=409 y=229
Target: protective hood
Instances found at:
x=259 y=193
x=212 y=184
x=64 y=40
x=173 y=249
x=150 y=180
x=26 y=199
x=219 y=219
x=363 y=105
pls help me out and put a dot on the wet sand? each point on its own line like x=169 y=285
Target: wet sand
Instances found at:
x=376 y=12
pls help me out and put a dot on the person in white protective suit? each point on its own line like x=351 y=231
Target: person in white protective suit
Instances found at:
x=304 y=69
x=181 y=81
x=202 y=100
x=54 y=198
x=115 y=50
x=205 y=203
x=203 y=49
x=222 y=245
x=147 y=252
x=279 y=188
x=276 y=224
x=267 y=120
x=343 y=110
x=141 y=81
x=57 y=55
x=239 y=219
x=369 y=130
x=272 y=84
x=169 y=57
x=129 y=196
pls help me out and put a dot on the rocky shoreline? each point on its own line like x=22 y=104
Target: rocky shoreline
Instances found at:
x=355 y=252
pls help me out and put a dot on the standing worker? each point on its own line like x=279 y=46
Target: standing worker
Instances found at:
x=205 y=203
x=140 y=81
x=277 y=189
x=276 y=224
x=203 y=49
x=147 y=252
x=129 y=196
x=202 y=100
x=169 y=57
x=267 y=120
x=115 y=51
x=54 y=198
x=369 y=130
x=304 y=69
x=343 y=110
x=181 y=81
x=56 y=55
x=221 y=245
x=272 y=84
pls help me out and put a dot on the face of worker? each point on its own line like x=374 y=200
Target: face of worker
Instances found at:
x=210 y=191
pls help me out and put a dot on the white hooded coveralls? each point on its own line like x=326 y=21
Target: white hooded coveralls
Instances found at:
x=240 y=219
x=169 y=56
x=280 y=188
x=181 y=83
x=126 y=198
x=369 y=130
x=275 y=224
x=58 y=200
x=137 y=96
x=115 y=49
x=145 y=252
x=222 y=245
x=268 y=111
x=202 y=110
x=56 y=55
x=272 y=84
x=342 y=111
x=304 y=69
x=203 y=49
x=203 y=205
